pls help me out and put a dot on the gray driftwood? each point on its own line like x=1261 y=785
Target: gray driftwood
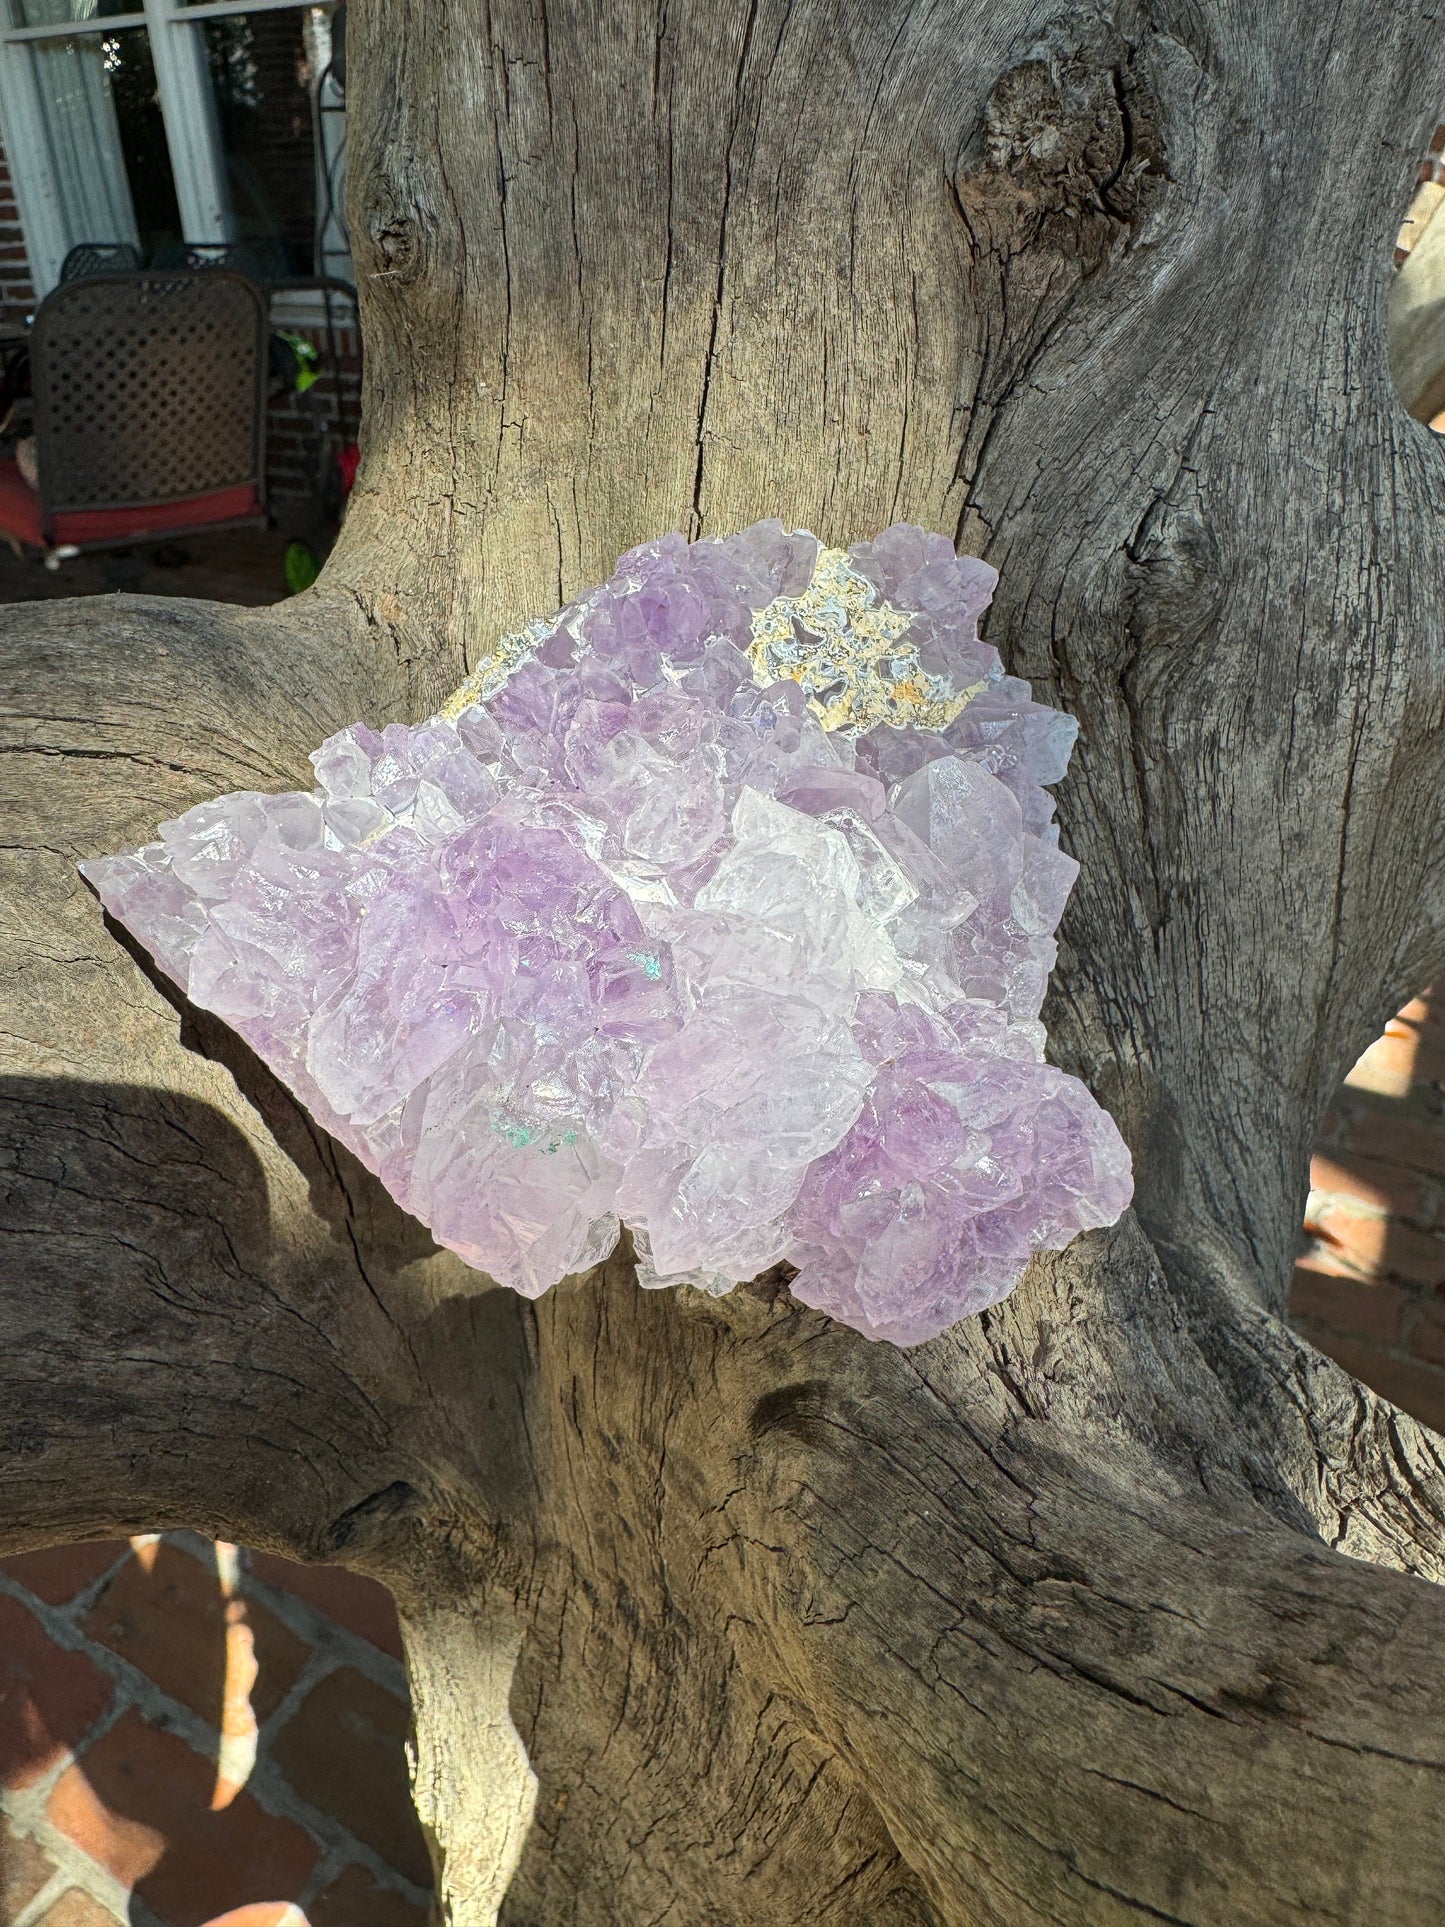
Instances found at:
x=1115 y=1604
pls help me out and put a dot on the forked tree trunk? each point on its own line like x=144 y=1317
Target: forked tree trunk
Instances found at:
x=1114 y=1603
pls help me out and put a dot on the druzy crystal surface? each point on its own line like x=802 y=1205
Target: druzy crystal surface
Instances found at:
x=719 y=904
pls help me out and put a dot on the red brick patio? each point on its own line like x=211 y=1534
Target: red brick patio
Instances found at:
x=192 y=1736
x=1370 y=1286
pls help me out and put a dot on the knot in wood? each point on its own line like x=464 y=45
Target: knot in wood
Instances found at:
x=1176 y=578
x=1079 y=129
x=374 y=1520
x=396 y=229
x=802 y=1412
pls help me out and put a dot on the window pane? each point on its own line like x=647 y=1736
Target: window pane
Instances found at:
x=265 y=72
x=107 y=140
x=45 y=13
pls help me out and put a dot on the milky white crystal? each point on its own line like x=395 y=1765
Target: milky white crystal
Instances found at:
x=720 y=904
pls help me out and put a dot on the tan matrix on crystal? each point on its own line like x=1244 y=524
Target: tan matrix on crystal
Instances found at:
x=839 y=640
x=850 y=657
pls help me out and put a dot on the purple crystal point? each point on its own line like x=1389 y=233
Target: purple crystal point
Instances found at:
x=721 y=903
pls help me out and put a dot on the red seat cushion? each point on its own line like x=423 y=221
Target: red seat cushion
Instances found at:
x=20 y=514
x=19 y=507
x=238 y=503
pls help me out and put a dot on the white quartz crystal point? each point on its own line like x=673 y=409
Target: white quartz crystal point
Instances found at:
x=721 y=903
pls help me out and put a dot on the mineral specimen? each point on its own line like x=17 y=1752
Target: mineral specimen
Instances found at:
x=720 y=903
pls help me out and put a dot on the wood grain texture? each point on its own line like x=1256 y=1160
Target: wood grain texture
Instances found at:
x=1116 y=1604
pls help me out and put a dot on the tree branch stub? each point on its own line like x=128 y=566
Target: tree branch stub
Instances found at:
x=1084 y=1612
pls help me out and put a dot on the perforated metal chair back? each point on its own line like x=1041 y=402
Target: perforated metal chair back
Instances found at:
x=99 y=257
x=150 y=389
x=239 y=255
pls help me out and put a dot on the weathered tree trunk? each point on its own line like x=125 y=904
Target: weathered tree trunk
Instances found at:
x=1114 y=1603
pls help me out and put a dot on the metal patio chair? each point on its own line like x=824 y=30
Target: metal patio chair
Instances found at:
x=99 y=257
x=239 y=255
x=149 y=412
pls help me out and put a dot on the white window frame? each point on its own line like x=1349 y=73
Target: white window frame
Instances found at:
x=187 y=109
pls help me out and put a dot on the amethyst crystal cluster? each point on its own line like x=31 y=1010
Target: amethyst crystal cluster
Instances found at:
x=719 y=904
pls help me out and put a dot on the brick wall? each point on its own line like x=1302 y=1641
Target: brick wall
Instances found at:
x=17 y=296
x=1370 y=1287
x=304 y=432
x=191 y=1736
